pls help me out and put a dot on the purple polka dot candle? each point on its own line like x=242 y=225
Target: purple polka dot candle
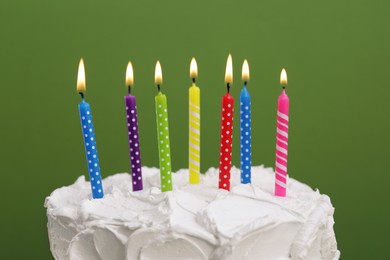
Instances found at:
x=132 y=127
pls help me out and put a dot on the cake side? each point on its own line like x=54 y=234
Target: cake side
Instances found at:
x=192 y=221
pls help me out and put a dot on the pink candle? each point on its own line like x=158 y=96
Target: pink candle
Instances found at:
x=282 y=139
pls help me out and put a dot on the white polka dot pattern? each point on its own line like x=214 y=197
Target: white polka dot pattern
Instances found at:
x=225 y=159
x=163 y=142
x=245 y=136
x=91 y=150
x=134 y=147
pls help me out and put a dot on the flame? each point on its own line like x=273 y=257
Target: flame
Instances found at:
x=283 y=77
x=129 y=75
x=81 y=78
x=193 y=69
x=245 y=71
x=158 y=74
x=229 y=70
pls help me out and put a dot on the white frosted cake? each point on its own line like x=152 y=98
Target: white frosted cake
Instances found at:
x=192 y=221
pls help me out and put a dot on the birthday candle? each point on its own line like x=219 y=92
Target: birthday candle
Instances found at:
x=194 y=126
x=89 y=137
x=282 y=139
x=225 y=159
x=132 y=127
x=245 y=127
x=163 y=133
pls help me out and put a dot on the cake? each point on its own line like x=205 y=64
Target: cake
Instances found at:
x=192 y=221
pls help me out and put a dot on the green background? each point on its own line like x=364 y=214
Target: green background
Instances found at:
x=336 y=53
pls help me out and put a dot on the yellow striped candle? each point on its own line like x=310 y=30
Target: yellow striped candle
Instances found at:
x=194 y=126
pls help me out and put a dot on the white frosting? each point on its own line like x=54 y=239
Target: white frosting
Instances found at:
x=192 y=221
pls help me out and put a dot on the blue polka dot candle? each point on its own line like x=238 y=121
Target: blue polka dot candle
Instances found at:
x=89 y=137
x=132 y=127
x=245 y=127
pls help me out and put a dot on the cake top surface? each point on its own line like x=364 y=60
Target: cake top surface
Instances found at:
x=202 y=211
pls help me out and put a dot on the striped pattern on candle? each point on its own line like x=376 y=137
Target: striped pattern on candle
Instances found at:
x=281 y=154
x=194 y=143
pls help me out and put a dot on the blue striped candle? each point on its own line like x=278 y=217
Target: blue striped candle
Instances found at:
x=245 y=128
x=89 y=138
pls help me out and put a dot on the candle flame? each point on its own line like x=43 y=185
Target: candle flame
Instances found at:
x=129 y=75
x=158 y=74
x=229 y=70
x=193 y=69
x=245 y=71
x=283 y=77
x=81 y=78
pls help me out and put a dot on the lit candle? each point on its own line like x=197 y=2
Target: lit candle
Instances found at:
x=132 y=127
x=225 y=159
x=245 y=127
x=163 y=133
x=282 y=139
x=89 y=137
x=194 y=126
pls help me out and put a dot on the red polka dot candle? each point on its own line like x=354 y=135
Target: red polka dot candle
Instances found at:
x=282 y=139
x=132 y=128
x=89 y=137
x=225 y=159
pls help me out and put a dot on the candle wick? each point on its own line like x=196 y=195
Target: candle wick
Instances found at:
x=228 y=87
x=284 y=87
x=193 y=80
x=245 y=83
x=158 y=87
x=82 y=95
x=129 y=89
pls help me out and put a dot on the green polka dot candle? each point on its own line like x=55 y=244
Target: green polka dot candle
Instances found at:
x=163 y=133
